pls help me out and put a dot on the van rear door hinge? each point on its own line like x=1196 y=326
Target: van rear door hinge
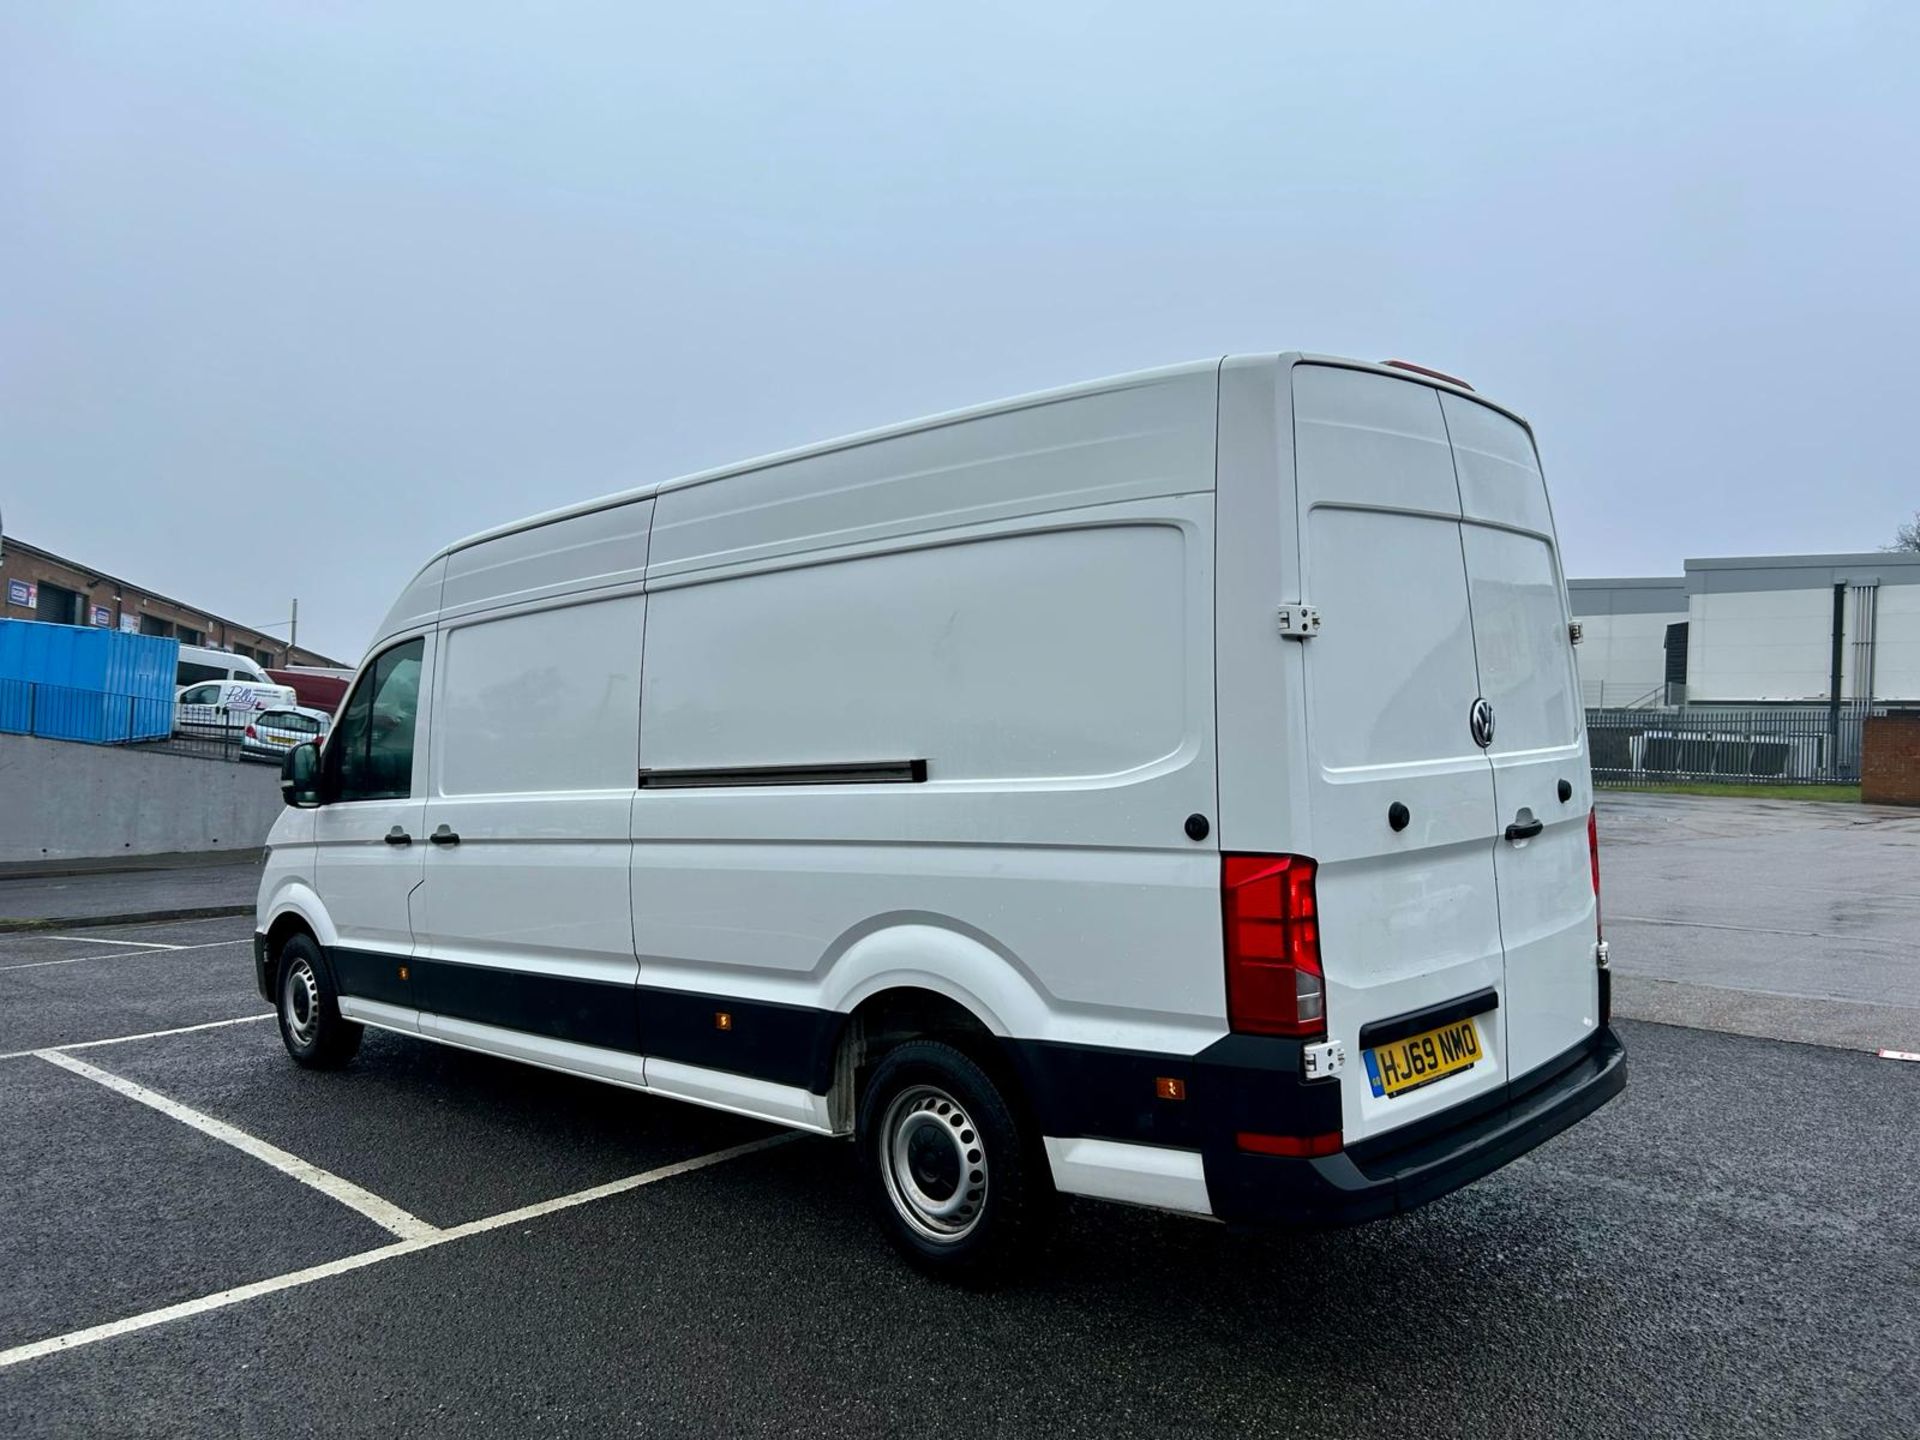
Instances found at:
x=1299 y=622
x=1317 y=1062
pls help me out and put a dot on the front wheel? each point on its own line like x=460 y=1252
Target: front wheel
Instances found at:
x=957 y=1184
x=310 y=1023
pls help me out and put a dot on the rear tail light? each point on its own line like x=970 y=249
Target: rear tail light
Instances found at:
x=1272 y=931
x=252 y=734
x=1593 y=855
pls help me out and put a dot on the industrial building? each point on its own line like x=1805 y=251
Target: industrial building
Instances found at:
x=1772 y=629
x=36 y=584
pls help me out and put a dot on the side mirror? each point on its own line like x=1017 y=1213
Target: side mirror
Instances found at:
x=300 y=776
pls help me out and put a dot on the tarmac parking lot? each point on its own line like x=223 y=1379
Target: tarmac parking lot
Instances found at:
x=201 y=1237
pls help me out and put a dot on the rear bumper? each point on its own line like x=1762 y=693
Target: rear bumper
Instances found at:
x=1398 y=1172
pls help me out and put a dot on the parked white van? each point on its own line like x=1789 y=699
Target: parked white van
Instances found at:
x=227 y=705
x=1171 y=789
x=199 y=664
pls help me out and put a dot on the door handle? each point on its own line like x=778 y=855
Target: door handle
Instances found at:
x=1517 y=831
x=444 y=836
x=397 y=836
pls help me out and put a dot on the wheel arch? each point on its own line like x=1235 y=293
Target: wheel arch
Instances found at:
x=914 y=979
x=296 y=910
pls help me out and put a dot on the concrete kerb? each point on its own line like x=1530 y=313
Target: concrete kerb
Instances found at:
x=136 y=917
x=129 y=864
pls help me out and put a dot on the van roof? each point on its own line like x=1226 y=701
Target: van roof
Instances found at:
x=1111 y=383
x=824 y=447
x=233 y=655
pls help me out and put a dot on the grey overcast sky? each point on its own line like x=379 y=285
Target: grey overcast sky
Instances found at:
x=291 y=294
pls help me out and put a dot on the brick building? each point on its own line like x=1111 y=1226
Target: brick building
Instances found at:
x=36 y=584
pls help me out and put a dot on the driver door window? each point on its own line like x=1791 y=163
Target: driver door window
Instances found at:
x=370 y=756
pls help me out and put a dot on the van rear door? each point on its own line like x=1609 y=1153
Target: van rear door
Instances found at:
x=1402 y=799
x=1526 y=667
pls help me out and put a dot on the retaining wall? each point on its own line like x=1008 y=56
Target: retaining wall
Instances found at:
x=63 y=801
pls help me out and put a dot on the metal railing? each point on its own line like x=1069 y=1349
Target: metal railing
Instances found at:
x=1800 y=744
x=1611 y=695
x=97 y=717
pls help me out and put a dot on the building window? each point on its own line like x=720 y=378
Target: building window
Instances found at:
x=190 y=637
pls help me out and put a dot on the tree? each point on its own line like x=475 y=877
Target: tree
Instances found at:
x=1907 y=537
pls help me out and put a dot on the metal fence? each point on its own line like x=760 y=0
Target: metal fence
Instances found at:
x=95 y=717
x=1767 y=745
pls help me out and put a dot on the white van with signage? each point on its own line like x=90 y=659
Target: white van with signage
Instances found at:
x=226 y=705
x=1171 y=790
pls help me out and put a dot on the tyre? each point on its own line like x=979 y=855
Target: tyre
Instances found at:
x=310 y=1023
x=960 y=1186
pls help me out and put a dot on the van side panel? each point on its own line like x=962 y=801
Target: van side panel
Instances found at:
x=1042 y=657
x=1052 y=668
x=1057 y=688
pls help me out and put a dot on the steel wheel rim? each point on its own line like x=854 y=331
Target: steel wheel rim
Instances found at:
x=300 y=1003
x=934 y=1163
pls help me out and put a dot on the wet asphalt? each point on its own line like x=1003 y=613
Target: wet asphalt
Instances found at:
x=1731 y=1248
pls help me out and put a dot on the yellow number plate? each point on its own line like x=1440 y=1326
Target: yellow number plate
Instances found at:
x=1421 y=1058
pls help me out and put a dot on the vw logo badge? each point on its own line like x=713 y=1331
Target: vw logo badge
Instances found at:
x=1480 y=721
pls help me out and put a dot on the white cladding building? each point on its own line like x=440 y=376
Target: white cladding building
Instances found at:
x=1759 y=629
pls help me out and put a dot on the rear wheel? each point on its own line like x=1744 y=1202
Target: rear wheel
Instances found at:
x=961 y=1189
x=310 y=1023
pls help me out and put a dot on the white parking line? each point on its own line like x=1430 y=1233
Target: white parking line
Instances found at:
x=118 y=955
x=76 y=1338
x=39 y=1050
x=102 y=940
x=383 y=1213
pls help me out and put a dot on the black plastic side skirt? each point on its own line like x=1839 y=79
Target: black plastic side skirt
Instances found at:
x=1238 y=1083
x=782 y=1044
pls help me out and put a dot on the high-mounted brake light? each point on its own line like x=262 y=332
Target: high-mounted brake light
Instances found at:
x=1430 y=374
x=1593 y=856
x=1271 y=926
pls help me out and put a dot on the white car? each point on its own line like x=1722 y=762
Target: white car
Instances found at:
x=271 y=733
x=1171 y=790
x=228 y=705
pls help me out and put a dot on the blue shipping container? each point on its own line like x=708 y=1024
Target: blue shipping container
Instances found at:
x=76 y=682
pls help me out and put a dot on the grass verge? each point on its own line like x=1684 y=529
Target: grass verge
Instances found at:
x=1840 y=793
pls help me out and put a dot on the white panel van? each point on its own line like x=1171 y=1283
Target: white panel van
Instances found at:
x=198 y=665
x=1171 y=790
